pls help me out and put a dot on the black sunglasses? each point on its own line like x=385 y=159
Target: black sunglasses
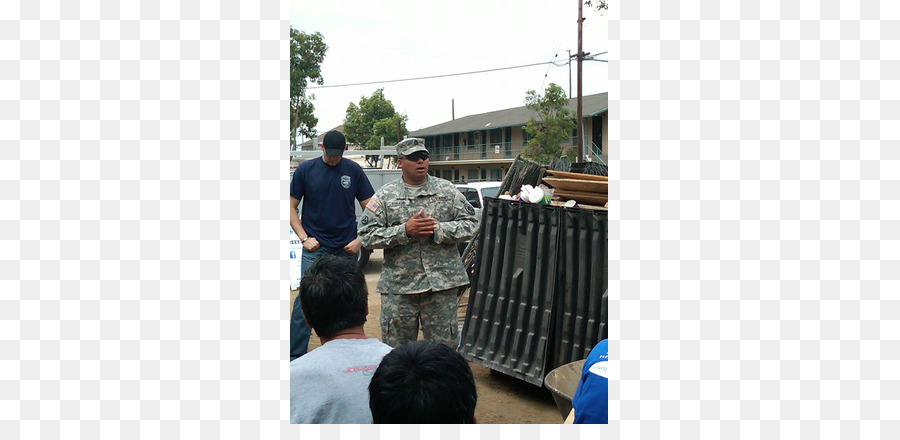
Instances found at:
x=417 y=155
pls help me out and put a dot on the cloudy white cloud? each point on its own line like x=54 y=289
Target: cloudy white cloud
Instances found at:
x=370 y=41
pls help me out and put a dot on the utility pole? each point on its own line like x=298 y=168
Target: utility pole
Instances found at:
x=570 y=72
x=578 y=101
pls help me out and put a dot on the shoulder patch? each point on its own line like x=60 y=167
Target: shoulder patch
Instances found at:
x=372 y=205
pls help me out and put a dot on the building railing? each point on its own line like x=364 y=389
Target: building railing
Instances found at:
x=598 y=153
x=594 y=153
x=493 y=150
x=490 y=151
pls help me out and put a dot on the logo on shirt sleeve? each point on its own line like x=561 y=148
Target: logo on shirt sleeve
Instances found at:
x=603 y=369
x=372 y=206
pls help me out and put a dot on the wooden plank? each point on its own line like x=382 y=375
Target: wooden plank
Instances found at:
x=581 y=176
x=574 y=194
x=582 y=197
x=596 y=208
x=580 y=205
x=591 y=186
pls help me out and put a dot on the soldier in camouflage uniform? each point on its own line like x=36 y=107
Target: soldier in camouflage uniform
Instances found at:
x=418 y=220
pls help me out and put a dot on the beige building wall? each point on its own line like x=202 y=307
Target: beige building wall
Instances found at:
x=604 y=138
x=518 y=134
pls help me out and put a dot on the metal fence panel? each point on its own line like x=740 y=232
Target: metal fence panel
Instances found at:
x=582 y=280
x=509 y=310
x=535 y=300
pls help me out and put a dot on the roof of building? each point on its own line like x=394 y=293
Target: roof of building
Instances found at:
x=308 y=144
x=591 y=105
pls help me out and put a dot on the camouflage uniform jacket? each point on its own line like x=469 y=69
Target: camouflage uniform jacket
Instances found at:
x=416 y=265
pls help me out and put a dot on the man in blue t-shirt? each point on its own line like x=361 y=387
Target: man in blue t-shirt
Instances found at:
x=327 y=187
x=591 y=400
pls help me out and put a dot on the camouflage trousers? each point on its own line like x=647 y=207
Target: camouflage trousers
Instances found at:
x=434 y=311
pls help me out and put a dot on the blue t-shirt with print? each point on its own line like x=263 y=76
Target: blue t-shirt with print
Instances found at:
x=328 y=194
x=591 y=400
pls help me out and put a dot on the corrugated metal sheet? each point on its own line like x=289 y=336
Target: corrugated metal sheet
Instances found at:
x=583 y=267
x=535 y=300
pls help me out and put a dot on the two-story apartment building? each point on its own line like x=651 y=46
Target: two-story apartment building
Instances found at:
x=483 y=146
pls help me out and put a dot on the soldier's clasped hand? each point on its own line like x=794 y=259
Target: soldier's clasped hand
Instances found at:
x=420 y=225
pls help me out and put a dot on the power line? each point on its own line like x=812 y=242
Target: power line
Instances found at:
x=555 y=54
x=594 y=57
x=434 y=76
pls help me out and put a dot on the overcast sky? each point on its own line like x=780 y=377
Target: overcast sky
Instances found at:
x=369 y=41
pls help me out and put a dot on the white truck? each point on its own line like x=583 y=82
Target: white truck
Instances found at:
x=377 y=177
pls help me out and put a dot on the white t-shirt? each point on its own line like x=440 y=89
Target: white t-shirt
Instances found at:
x=330 y=384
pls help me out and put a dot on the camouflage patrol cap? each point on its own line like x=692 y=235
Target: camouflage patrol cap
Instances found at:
x=410 y=145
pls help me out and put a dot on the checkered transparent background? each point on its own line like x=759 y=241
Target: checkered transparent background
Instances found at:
x=142 y=180
x=753 y=253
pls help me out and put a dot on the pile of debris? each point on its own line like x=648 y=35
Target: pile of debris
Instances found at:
x=587 y=190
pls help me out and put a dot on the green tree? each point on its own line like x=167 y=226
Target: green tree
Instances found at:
x=307 y=54
x=601 y=4
x=555 y=125
x=374 y=117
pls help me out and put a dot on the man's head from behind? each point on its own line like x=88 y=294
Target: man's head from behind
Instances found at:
x=333 y=295
x=423 y=382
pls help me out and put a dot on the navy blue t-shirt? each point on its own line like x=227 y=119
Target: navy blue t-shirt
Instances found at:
x=328 y=194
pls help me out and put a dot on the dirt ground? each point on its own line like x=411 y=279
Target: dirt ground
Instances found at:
x=501 y=398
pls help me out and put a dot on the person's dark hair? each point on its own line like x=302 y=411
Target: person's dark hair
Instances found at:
x=423 y=382
x=333 y=295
